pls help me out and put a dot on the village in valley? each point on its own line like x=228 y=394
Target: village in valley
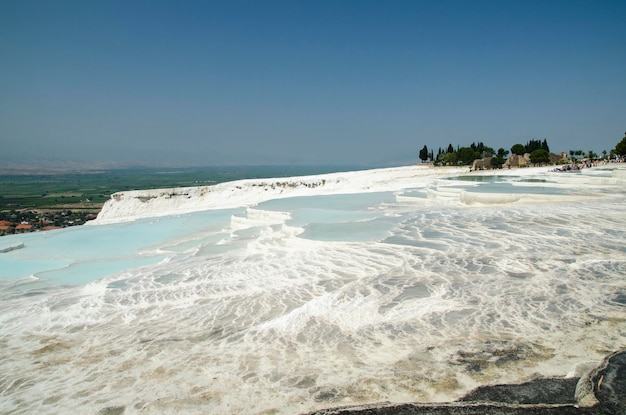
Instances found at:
x=14 y=222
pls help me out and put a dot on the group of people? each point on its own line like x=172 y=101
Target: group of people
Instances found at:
x=589 y=163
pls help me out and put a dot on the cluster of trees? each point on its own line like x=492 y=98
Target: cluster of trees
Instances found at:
x=538 y=149
x=530 y=146
x=619 y=150
x=574 y=154
x=462 y=155
x=475 y=151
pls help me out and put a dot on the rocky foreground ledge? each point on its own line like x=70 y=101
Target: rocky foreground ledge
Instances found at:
x=599 y=392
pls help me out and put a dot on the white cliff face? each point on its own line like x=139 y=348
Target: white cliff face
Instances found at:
x=136 y=204
x=131 y=205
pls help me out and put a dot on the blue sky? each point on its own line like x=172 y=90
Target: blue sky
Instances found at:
x=306 y=82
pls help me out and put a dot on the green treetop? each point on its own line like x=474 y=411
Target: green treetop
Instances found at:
x=620 y=148
x=518 y=149
x=539 y=156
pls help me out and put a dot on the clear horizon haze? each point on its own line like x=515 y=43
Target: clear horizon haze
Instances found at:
x=306 y=82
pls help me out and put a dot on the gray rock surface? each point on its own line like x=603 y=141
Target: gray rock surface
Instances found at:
x=600 y=392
